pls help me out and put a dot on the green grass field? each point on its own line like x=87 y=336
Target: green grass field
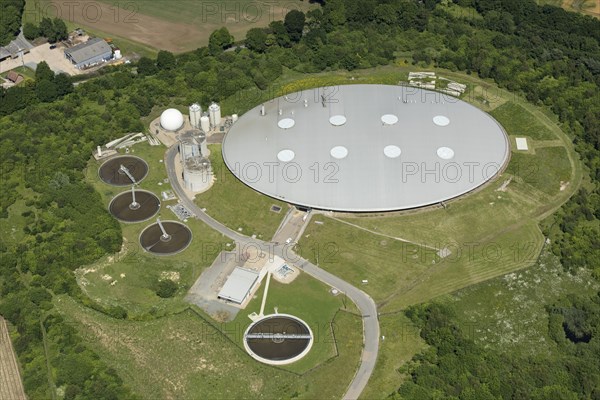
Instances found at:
x=238 y=206
x=184 y=356
x=519 y=122
x=516 y=320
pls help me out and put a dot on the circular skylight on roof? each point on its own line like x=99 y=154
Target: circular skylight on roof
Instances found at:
x=337 y=120
x=339 y=152
x=389 y=119
x=392 y=151
x=445 y=153
x=440 y=120
x=286 y=155
x=286 y=123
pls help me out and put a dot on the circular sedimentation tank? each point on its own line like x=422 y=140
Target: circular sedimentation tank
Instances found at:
x=123 y=208
x=178 y=239
x=278 y=339
x=111 y=172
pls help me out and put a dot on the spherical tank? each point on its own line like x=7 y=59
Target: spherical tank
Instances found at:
x=171 y=119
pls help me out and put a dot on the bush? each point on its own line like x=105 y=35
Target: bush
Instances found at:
x=166 y=288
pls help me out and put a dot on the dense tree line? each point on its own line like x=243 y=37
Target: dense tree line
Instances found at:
x=454 y=367
x=54 y=30
x=11 y=12
x=49 y=129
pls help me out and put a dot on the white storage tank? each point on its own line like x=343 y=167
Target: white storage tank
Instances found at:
x=214 y=112
x=118 y=54
x=171 y=119
x=234 y=118
x=195 y=115
x=205 y=123
x=197 y=174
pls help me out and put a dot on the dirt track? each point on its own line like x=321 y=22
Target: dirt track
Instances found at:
x=11 y=386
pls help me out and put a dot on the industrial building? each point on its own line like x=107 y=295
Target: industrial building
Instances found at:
x=90 y=53
x=365 y=148
x=239 y=285
x=193 y=152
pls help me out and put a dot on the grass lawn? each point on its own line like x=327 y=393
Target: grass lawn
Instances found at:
x=544 y=171
x=184 y=356
x=238 y=206
x=309 y=300
x=519 y=122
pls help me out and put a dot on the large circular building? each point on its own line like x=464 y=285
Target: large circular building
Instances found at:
x=365 y=148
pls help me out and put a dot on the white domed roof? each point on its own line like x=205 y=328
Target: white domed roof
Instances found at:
x=171 y=119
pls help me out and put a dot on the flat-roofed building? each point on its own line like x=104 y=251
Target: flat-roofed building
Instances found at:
x=239 y=285
x=90 y=53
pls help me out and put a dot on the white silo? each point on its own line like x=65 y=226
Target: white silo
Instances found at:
x=205 y=123
x=234 y=118
x=197 y=174
x=214 y=112
x=195 y=114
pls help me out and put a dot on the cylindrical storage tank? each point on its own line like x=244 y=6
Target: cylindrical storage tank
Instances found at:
x=214 y=112
x=205 y=123
x=197 y=174
x=188 y=149
x=234 y=118
x=195 y=114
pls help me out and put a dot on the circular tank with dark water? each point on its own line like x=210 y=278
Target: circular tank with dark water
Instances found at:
x=278 y=339
x=178 y=238
x=124 y=209
x=111 y=172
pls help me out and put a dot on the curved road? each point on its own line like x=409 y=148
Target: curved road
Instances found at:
x=363 y=301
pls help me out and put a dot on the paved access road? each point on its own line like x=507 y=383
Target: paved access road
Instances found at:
x=363 y=301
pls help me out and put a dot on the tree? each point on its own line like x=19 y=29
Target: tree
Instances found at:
x=59 y=31
x=256 y=40
x=30 y=31
x=281 y=35
x=146 y=66
x=166 y=288
x=219 y=40
x=10 y=22
x=165 y=60
x=46 y=91
x=43 y=72
x=294 y=24
x=46 y=27
x=63 y=84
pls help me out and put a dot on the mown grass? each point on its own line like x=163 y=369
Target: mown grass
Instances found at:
x=519 y=122
x=236 y=205
x=307 y=299
x=544 y=171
